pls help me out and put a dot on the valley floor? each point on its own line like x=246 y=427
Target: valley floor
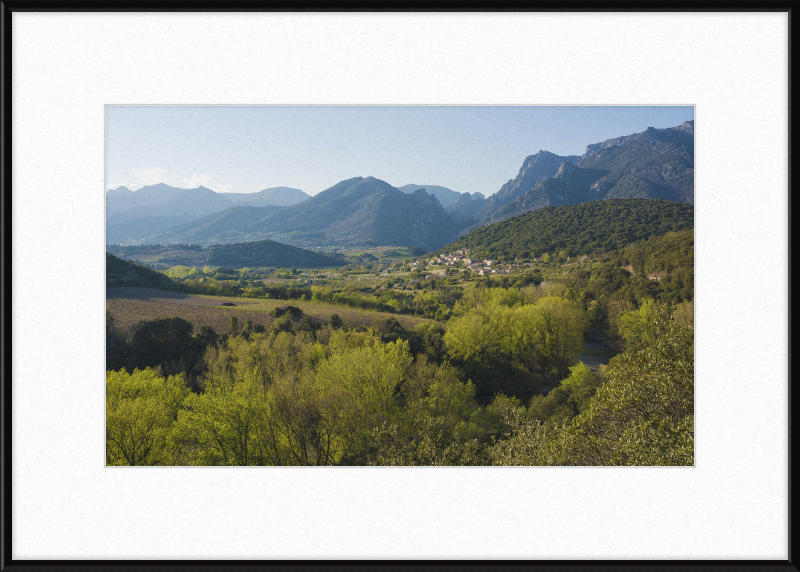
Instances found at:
x=130 y=305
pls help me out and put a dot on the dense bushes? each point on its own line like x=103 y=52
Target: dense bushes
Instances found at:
x=642 y=415
x=284 y=399
x=609 y=289
x=165 y=344
x=348 y=397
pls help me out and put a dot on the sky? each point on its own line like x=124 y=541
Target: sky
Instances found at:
x=244 y=149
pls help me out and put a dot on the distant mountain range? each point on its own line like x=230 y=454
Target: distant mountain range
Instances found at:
x=458 y=205
x=218 y=228
x=446 y=196
x=155 y=208
x=466 y=206
x=276 y=196
x=359 y=211
x=654 y=164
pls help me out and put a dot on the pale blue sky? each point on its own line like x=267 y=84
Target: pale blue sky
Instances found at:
x=247 y=149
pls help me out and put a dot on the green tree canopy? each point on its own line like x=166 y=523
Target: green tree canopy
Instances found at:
x=141 y=408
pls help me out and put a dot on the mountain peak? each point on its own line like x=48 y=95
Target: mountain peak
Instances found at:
x=650 y=133
x=540 y=155
x=364 y=211
x=158 y=186
x=565 y=168
x=444 y=195
x=687 y=126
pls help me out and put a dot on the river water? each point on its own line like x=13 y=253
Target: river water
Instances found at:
x=596 y=353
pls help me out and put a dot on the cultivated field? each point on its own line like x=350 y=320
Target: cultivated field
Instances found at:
x=131 y=305
x=276 y=280
x=156 y=295
x=190 y=258
x=395 y=253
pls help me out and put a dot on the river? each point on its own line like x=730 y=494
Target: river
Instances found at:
x=596 y=353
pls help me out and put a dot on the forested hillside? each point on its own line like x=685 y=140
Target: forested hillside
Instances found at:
x=268 y=253
x=126 y=273
x=660 y=270
x=576 y=229
x=659 y=254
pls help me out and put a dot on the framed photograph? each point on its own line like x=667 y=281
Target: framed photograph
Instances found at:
x=389 y=141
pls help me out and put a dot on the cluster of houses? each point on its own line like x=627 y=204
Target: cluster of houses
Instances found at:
x=658 y=275
x=478 y=266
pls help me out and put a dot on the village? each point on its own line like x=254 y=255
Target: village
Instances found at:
x=460 y=259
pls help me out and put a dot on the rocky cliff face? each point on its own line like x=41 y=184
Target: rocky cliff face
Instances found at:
x=466 y=206
x=444 y=195
x=429 y=225
x=571 y=185
x=686 y=126
x=677 y=135
x=535 y=169
x=656 y=163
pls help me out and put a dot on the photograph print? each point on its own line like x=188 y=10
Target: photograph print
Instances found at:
x=399 y=285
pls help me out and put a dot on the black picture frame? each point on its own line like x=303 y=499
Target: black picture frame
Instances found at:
x=7 y=10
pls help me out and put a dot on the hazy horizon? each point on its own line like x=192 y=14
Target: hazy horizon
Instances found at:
x=246 y=149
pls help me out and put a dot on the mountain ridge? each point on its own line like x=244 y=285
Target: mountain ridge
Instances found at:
x=357 y=211
x=445 y=196
x=655 y=163
x=535 y=168
x=157 y=208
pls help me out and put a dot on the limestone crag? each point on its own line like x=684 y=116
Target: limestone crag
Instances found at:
x=466 y=206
